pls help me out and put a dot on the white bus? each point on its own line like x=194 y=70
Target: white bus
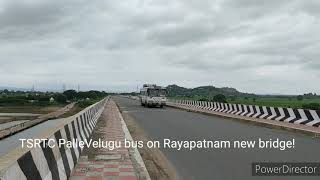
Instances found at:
x=153 y=95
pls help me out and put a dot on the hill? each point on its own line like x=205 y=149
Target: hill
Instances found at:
x=205 y=91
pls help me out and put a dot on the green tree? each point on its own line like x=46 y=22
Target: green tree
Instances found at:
x=70 y=94
x=220 y=98
x=60 y=98
x=299 y=98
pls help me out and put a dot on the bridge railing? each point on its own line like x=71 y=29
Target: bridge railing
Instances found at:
x=49 y=160
x=289 y=115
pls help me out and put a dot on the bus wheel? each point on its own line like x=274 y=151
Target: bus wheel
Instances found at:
x=161 y=106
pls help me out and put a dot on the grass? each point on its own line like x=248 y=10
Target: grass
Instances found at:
x=275 y=102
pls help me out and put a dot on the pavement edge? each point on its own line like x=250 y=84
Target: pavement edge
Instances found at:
x=134 y=152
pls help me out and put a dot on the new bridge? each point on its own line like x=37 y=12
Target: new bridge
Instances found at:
x=103 y=120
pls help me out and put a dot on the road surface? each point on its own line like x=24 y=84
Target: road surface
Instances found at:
x=226 y=164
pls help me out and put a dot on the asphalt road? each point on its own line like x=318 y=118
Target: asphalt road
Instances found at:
x=222 y=164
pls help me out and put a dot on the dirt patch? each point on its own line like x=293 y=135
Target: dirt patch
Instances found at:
x=49 y=109
x=9 y=119
x=29 y=109
x=74 y=110
x=158 y=166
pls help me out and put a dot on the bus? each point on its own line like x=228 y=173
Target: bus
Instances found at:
x=152 y=95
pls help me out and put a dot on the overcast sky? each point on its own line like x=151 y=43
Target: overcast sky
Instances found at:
x=255 y=46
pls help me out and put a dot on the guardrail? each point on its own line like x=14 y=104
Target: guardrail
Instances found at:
x=52 y=162
x=288 y=115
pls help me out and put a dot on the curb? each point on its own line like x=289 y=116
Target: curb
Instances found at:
x=143 y=173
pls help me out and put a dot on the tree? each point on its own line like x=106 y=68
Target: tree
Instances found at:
x=220 y=98
x=299 y=98
x=60 y=98
x=70 y=94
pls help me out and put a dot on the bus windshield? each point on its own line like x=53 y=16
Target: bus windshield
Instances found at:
x=156 y=92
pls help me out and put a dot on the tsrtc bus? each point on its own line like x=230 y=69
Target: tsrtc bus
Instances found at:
x=153 y=95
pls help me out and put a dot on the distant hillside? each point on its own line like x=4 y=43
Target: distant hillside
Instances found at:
x=208 y=91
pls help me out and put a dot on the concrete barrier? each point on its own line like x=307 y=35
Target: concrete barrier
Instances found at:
x=56 y=162
x=289 y=115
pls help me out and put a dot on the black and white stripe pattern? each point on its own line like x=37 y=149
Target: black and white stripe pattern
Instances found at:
x=58 y=162
x=297 y=116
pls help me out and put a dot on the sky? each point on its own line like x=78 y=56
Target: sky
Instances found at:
x=264 y=47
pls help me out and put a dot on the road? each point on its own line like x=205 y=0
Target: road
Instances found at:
x=226 y=164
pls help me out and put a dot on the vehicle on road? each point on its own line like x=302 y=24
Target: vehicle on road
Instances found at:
x=152 y=95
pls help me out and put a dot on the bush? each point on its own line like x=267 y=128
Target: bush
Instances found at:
x=313 y=106
x=299 y=98
x=70 y=94
x=203 y=99
x=60 y=98
x=85 y=103
x=220 y=98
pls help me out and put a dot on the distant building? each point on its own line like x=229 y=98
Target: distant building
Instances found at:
x=51 y=100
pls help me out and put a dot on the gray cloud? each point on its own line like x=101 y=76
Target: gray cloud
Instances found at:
x=255 y=46
x=19 y=14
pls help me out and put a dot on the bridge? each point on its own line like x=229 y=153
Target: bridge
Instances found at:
x=179 y=121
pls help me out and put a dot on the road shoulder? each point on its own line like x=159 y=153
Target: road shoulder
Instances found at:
x=157 y=164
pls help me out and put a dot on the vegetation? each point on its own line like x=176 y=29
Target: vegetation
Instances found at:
x=20 y=98
x=315 y=106
x=231 y=95
x=279 y=101
x=203 y=91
